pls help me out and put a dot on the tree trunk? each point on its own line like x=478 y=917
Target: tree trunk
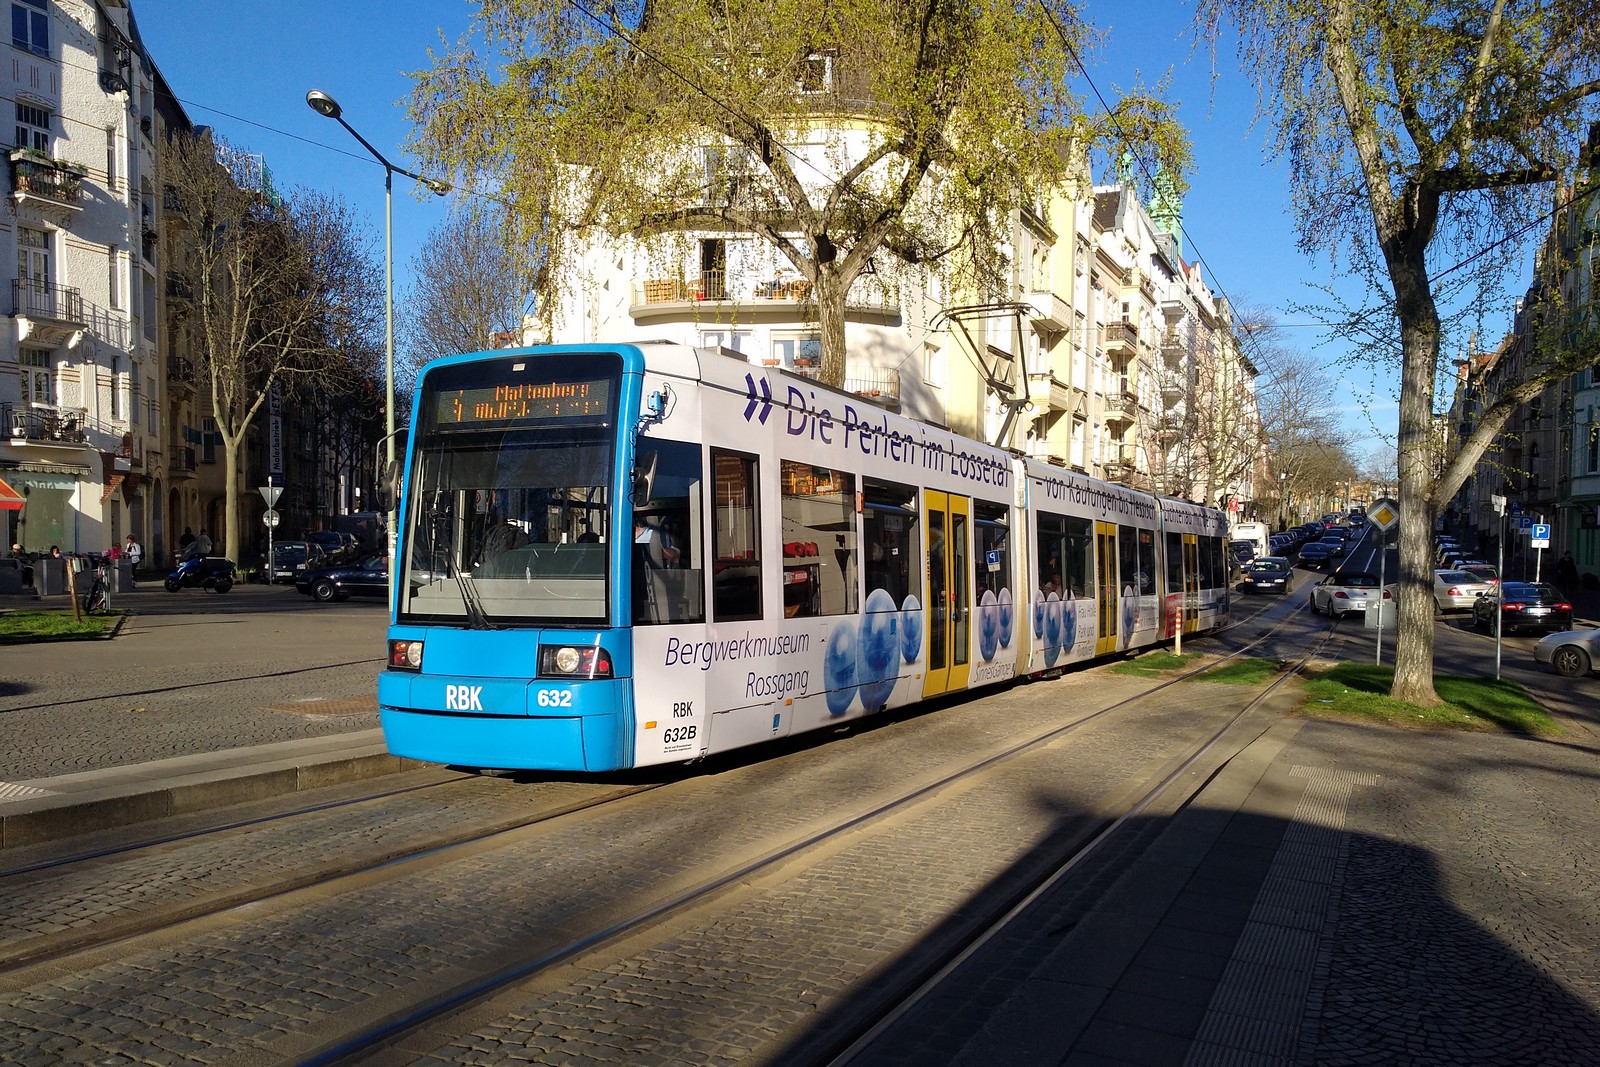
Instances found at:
x=1419 y=343
x=828 y=289
x=228 y=540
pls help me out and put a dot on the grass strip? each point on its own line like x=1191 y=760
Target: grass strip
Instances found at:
x=26 y=627
x=1361 y=691
x=1153 y=664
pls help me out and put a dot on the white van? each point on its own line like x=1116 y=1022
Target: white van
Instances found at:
x=1257 y=533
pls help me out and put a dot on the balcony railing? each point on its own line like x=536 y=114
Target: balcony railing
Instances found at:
x=882 y=385
x=43 y=178
x=1120 y=340
x=182 y=461
x=41 y=300
x=1121 y=405
x=716 y=285
x=46 y=425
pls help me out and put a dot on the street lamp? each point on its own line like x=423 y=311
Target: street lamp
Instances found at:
x=329 y=108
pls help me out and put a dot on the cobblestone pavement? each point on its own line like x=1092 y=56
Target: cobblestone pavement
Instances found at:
x=189 y=673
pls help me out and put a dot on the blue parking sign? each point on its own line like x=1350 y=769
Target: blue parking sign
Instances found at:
x=1539 y=531
x=1524 y=522
x=1516 y=507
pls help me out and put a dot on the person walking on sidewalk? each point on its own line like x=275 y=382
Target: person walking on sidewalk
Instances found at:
x=133 y=552
x=1567 y=574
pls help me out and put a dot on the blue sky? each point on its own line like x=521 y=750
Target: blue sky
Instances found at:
x=244 y=69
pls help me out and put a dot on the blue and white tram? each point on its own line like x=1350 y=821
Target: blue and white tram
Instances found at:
x=622 y=555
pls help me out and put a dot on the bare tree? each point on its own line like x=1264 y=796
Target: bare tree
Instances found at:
x=472 y=281
x=283 y=290
x=1439 y=122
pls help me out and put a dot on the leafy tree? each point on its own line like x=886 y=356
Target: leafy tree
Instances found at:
x=831 y=131
x=471 y=282
x=284 y=291
x=1410 y=129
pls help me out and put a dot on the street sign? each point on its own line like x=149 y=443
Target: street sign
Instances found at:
x=1383 y=514
x=271 y=518
x=1539 y=533
x=1516 y=507
x=1524 y=522
x=270 y=494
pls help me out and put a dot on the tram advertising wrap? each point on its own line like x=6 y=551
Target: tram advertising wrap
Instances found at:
x=626 y=555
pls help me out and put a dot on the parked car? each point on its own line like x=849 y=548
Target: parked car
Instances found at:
x=1457 y=590
x=1315 y=554
x=1485 y=571
x=1268 y=574
x=1522 y=606
x=370 y=577
x=1572 y=653
x=335 y=549
x=1242 y=551
x=289 y=558
x=1344 y=592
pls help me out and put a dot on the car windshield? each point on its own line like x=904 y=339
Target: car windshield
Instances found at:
x=1458 y=578
x=1529 y=592
x=1269 y=563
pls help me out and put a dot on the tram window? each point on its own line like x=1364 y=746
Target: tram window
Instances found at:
x=889 y=524
x=1066 y=555
x=819 y=541
x=1212 y=572
x=1127 y=558
x=994 y=547
x=735 y=538
x=668 y=566
x=1174 y=562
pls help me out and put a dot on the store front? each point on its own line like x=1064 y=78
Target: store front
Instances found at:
x=49 y=513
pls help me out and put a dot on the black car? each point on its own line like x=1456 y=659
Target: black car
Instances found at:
x=1268 y=574
x=370 y=577
x=1522 y=606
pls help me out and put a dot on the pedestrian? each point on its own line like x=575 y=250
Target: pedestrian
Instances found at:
x=202 y=543
x=1567 y=574
x=133 y=552
x=184 y=542
x=55 y=551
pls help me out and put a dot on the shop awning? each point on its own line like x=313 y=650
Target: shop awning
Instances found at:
x=10 y=499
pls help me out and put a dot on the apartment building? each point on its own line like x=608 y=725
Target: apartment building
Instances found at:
x=80 y=418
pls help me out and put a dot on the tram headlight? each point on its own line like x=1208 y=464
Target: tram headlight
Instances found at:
x=405 y=655
x=574 y=661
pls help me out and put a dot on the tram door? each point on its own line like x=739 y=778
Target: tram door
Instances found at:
x=1191 y=583
x=949 y=592
x=1109 y=598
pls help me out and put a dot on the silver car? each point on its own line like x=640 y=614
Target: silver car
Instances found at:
x=1572 y=653
x=1456 y=590
x=1346 y=591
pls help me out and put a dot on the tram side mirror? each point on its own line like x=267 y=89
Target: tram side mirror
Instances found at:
x=387 y=492
x=644 y=478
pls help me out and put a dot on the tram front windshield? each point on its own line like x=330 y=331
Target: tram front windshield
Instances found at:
x=508 y=516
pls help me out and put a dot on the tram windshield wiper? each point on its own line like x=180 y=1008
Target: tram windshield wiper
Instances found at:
x=477 y=617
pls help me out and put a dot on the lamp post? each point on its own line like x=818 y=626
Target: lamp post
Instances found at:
x=328 y=107
x=1283 y=501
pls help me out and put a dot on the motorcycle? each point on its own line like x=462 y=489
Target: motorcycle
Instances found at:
x=207 y=572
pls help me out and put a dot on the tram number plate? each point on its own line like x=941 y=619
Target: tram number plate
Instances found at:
x=554 y=698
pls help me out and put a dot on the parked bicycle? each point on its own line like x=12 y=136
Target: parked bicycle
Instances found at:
x=97 y=598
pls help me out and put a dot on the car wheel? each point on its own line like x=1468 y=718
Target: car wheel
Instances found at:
x=1570 y=661
x=324 y=590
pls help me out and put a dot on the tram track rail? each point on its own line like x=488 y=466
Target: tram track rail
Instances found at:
x=374 y=1044
x=28 y=952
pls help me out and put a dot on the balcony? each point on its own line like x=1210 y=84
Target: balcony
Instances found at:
x=1119 y=466
x=1120 y=341
x=878 y=386
x=40 y=424
x=37 y=180
x=1121 y=406
x=46 y=314
x=715 y=294
x=182 y=463
x=1049 y=310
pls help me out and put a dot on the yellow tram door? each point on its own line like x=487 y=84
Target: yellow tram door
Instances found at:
x=1191 y=583
x=949 y=592
x=1109 y=595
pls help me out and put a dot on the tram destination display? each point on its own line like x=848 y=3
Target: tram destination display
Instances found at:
x=501 y=405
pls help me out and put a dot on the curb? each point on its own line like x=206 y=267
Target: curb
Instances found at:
x=48 y=809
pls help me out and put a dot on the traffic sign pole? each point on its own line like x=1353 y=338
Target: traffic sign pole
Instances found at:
x=270 y=494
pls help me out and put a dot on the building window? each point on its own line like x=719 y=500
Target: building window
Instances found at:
x=38 y=386
x=208 y=439
x=816 y=73
x=111 y=158
x=30 y=25
x=733 y=340
x=114 y=278
x=33 y=269
x=933 y=365
x=1594 y=445
x=33 y=127
x=800 y=351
